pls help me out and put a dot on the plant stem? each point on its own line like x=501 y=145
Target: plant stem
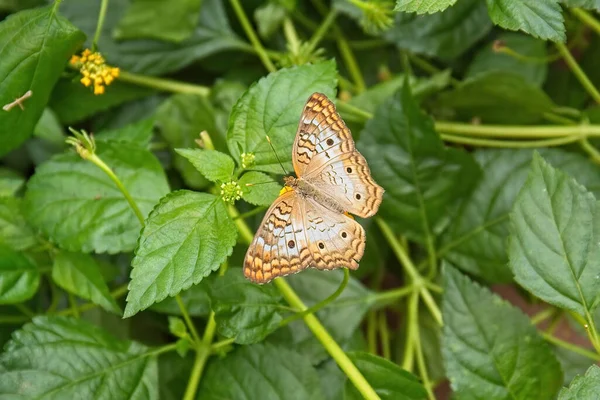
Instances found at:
x=372 y=332
x=203 y=351
x=117 y=293
x=13 y=319
x=247 y=26
x=291 y=36
x=586 y=18
x=384 y=336
x=423 y=367
x=570 y=346
x=215 y=347
x=73 y=303
x=412 y=322
x=100 y=24
x=578 y=72
x=241 y=225
x=392 y=295
x=591 y=150
x=517 y=131
x=323 y=28
x=25 y=310
x=543 y=315
x=167 y=85
x=523 y=144
x=188 y=320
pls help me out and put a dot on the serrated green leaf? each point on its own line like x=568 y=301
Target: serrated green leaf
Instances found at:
x=446 y=34
x=554 y=248
x=389 y=380
x=172 y=21
x=272 y=107
x=488 y=59
x=19 y=277
x=14 y=230
x=177 y=327
x=243 y=310
x=585 y=387
x=35 y=46
x=423 y=179
x=491 y=349
x=274 y=372
x=423 y=6
x=195 y=299
x=264 y=190
x=497 y=97
x=186 y=237
x=138 y=133
x=214 y=165
x=542 y=18
x=64 y=358
x=80 y=274
x=10 y=182
x=590 y=4
x=76 y=205
x=476 y=240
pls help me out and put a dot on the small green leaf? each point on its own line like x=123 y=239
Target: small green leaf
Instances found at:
x=389 y=380
x=214 y=165
x=19 y=277
x=138 y=133
x=423 y=179
x=554 y=248
x=182 y=346
x=491 y=349
x=423 y=6
x=14 y=230
x=58 y=357
x=10 y=182
x=177 y=327
x=269 y=18
x=35 y=46
x=272 y=373
x=585 y=387
x=264 y=189
x=243 y=310
x=75 y=204
x=272 y=107
x=186 y=237
x=195 y=299
x=80 y=274
x=497 y=97
x=172 y=21
x=542 y=18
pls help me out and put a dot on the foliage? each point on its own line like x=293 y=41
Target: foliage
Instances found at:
x=142 y=141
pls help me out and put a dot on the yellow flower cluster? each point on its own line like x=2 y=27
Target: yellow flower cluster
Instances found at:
x=94 y=69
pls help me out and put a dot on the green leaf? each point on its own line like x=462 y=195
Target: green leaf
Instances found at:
x=186 y=237
x=389 y=380
x=214 y=165
x=488 y=59
x=49 y=128
x=542 y=19
x=269 y=18
x=58 y=357
x=272 y=107
x=10 y=182
x=476 y=240
x=271 y=372
x=19 y=277
x=172 y=21
x=585 y=387
x=497 y=97
x=35 y=46
x=264 y=190
x=423 y=6
x=80 y=274
x=138 y=133
x=14 y=230
x=177 y=327
x=243 y=310
x=75 y=204
x=590 y=4
x=195 y=299
x=212 y=34
x=491 y=349
x=446 y=35
x=423 y=179
x=554 y=247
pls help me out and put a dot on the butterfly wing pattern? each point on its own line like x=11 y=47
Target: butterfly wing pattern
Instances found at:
x=307 y=226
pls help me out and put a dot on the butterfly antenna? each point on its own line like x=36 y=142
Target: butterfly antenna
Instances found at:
x=276 y=156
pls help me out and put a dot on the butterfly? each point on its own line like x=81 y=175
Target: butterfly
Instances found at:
x=308 y=225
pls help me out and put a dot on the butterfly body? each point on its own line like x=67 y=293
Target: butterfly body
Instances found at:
x=308 y=224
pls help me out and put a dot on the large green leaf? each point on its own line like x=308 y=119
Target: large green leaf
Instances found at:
x=476 y=239
x=541 y=18
x=554 y=248
x=75 y=204
x=243 y=310
x=186 y=237
x=491 y=349
x=214 y=165
x=19 y=277
x=153 y=57
x=172 y=21
x=35 y=46
x=446 y=34
x=585 y=387
x=57 y=357
x=261 y=371
x=423 y=6
x=498 y=97
x=14 y=230
x=272 y=107
x=423 y=180
x=80 y=274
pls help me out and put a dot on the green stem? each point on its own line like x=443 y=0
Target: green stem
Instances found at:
x=392 y=295
x=167 y=85
x=100 y=24
x=291 y=36
x=322 y=30
x=591 y=150
x=412 y=324
x=523 y=144
x=73 y=303
x=384 y=336
x=215 y=347
x=13 y=319
x=350 y=61
x=430 y=68
x=372 y=332
x=117 y=293
x=249 y=30
x=203 y=352
x=423 y=367
x=25 y=310
x=543 y=315
x=578 y=72
x=570 y=346
x=517 y=131
x=187 y=319
x=586 y=18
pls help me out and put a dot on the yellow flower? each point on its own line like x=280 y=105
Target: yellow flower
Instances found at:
x=94 y=70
